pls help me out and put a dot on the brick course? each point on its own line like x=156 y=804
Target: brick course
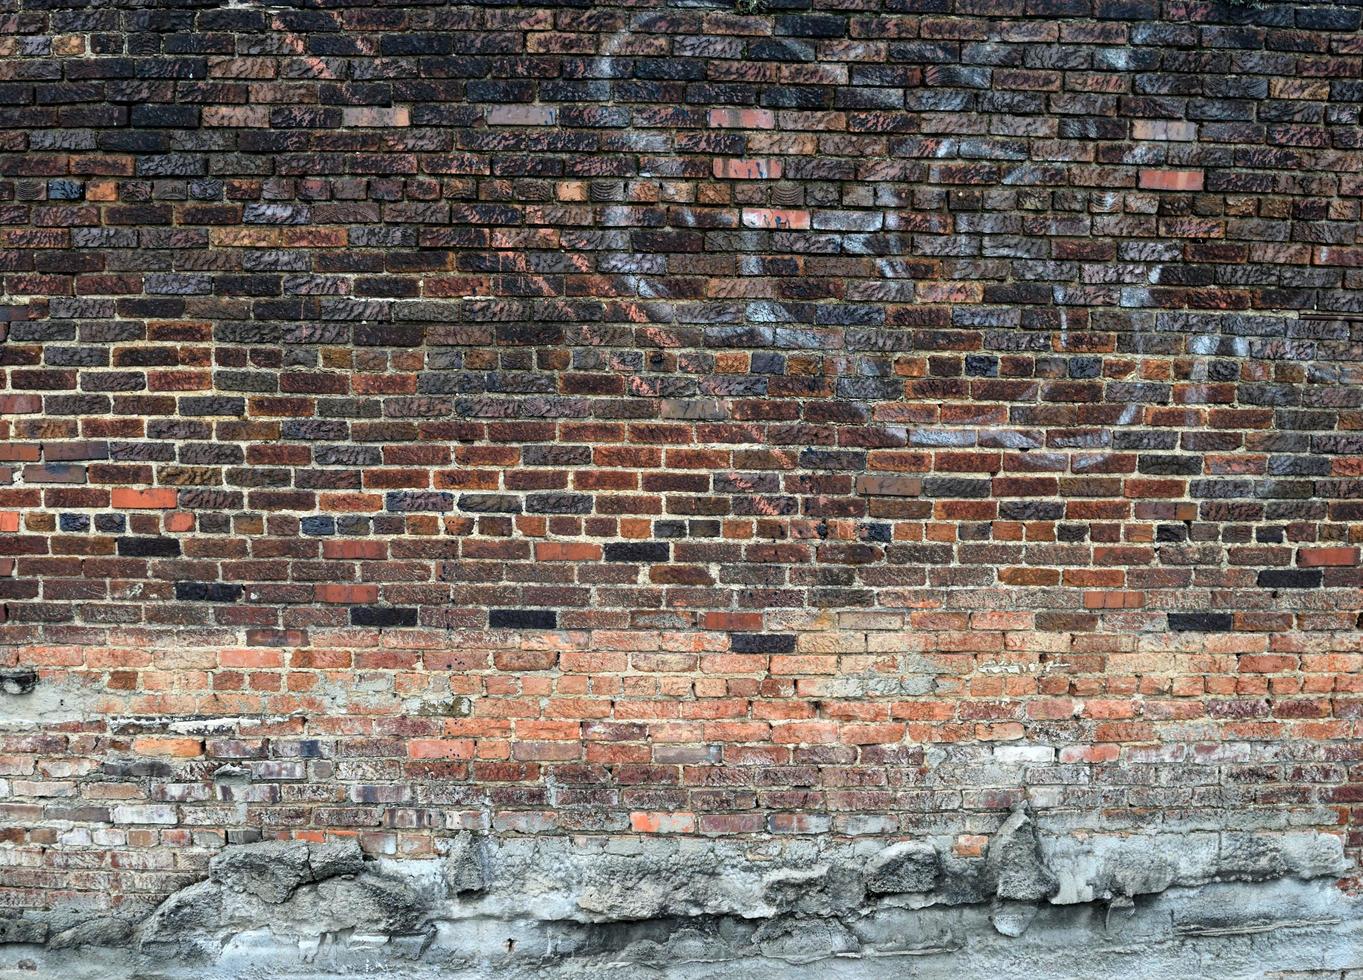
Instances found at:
x=851 y=418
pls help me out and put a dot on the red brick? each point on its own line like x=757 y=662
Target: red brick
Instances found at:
x=347 y=594
x=904 y=453
x=1313 y=557
x=20 y=405
x=342 y=549
x=1337 y=255
x=17 y=452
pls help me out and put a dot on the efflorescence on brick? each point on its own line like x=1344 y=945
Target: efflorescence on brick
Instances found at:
x=851 y=419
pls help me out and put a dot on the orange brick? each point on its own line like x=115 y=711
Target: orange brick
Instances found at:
x=161 y=498
x=1114 y=600
x=164 y=745
x=351 y=503
x=101 y=190
x=662 y=823
x=1109 y=708
x=1089 y=753
x=776 y=219
x=440 y=748
x=1029 y=576
x=970 y=845
x=1171 y=180
x=258 y=657
x=182 y=521
x=68 y=45
x=567 y=551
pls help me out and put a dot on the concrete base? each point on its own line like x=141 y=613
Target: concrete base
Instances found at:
x=1218 y=931
x=1215 y=906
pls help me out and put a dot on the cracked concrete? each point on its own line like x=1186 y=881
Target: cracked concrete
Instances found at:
x=1212 y=904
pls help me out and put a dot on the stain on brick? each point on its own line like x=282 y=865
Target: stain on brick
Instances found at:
x=889 y=486
x=742 y=118
x=369 y=117
x=776 y=219
x=208 y=591
x=1164 y=129
x=521 y=115
x=739 y=169
x=18 y=680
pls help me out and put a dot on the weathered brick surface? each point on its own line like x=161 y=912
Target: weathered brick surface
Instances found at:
x=654 y=419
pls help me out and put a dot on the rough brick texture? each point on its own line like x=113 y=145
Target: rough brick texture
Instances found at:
x=851 y=418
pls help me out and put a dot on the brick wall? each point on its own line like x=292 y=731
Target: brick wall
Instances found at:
x=847 y=418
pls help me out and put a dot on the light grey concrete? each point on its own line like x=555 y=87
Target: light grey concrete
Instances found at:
x=1215 y=905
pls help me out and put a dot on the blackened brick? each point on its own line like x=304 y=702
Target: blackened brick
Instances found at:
x=762 y=642
x=148 y=547
x=528 y=619
x=637 y=551
x=208 y=591
x=382 y=616
x=1202 y=622
x=1290 y=578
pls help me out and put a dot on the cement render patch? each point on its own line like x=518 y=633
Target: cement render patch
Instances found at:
x=1034 y=905
x=1218 y=932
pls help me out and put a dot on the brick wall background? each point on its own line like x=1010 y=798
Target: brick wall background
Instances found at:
x=850 y=418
